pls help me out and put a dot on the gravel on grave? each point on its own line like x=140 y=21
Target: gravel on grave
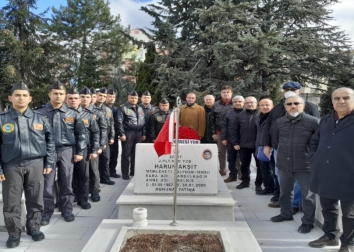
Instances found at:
x=193 y=242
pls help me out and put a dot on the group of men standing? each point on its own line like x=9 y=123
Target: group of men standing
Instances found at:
x=60 y=152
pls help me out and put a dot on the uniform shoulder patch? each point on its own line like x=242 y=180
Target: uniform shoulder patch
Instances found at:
x=8 y=128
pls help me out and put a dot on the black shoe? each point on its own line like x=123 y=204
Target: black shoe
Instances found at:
x=258 y=189
x=131 y=174
x=324 y=241
x=37 y=235
x=274 y=204
x=115 y=176
x=295 y=210
x=95 y=197
x=45 y=221
x=346 y=248
x=13 y=241
x=265 y=192
x=275 y=198
x=305 y=228
x=243 y=185
x=280 y=218
x=83 y=203
x=68 y=217
x=125 y=177
x=107 y=182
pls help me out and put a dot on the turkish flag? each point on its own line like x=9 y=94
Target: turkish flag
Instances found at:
x=163 y=142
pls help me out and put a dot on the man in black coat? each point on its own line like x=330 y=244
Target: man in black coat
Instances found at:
x=292 y=134
x=243 y=138
x=158 y=118
x=227 y=123
x=332 y=170
x=148 y=109
x=209 y=101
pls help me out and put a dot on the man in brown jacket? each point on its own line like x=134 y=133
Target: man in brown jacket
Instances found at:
x=193 y=115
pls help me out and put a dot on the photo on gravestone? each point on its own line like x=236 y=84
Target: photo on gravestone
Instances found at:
x=197 y=170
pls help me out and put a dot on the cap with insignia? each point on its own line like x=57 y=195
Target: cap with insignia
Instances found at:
x=133 y=93
x=103 y=90
x=164 y=101
x=57 y=85
x=146 y=93
x=19 y=86
x=93 y=90
x=110 y=91
x=85 y=91
x=73 y=90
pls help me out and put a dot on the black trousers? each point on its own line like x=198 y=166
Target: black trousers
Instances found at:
x=103 y=163
x=65 y=164
x=246 y=157
x=81 y=176
x=275 y=177
x=128 y=151
x=232 y=160
x=330 y=214
x=94 y=176
x=30 y=180
x=267 y=175
x=113 y=161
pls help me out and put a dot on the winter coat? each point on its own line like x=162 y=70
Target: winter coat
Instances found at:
x=208 y=135
x=193 y=117
x=228 y=121
x=218 y=111
x=331 y=158
x=292 y=136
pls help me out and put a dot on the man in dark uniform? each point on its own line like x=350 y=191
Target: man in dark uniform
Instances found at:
x=148 y=111
x=105 y=156
x=158 y=118
x=100 y=116
x=113 y=161
x=81 y=168
x=131 y=129
x=93 y=96
x=69 y=137
x=26 y=139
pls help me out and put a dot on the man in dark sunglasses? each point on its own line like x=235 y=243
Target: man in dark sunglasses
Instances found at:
x=292 y=134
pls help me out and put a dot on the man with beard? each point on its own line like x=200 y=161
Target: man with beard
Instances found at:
x=292 y=135
x=81 y=168
x=131 y=129
x=105 y=156
x=69 y=137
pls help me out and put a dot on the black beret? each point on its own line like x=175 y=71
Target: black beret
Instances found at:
x=85 y=91
x=93 y=90
x=103 y=90
x=164 y=101
x=19 y=86
x=133 y=93
x=292 y=85
x=73 y=90
x=57 y=85
x=146 y=93
x=110 y=91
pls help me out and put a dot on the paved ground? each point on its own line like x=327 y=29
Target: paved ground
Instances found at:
x=272 y=237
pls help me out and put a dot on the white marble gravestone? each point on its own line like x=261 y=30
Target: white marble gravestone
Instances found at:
x=197 y=170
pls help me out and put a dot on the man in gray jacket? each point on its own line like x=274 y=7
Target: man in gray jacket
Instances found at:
x=292 y=134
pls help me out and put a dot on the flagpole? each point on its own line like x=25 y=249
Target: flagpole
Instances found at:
x=177 y=111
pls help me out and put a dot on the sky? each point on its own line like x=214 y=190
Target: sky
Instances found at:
x=130 y=13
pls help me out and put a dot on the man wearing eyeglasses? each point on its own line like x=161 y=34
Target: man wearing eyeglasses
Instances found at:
x=279 y=111
x=332 y=170
x=292 y=135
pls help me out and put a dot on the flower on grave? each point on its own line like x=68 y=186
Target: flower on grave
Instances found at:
x=187 y=133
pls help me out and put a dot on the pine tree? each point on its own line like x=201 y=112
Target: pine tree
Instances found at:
x=94 y=41
x=26 y=52
x=253 y=46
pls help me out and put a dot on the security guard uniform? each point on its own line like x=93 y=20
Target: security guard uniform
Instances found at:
x=131 y=123
x=148 y=111
x=81 y=168
x=157 y=120
x=69 y=137
x=113 y=161
x=105 y=156
x=26 y=141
